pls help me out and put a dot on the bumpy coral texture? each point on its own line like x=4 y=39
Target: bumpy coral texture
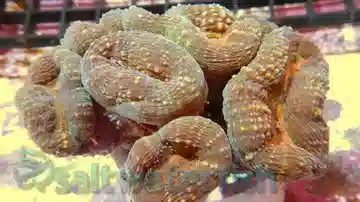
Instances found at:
x=79 y=35
x=305 y=104
x=209 y=33
x=266 y=26
x=219 y=42
x=43 y=70
x=125 y=76
x=112 y=20
x=253 y=108
x=62 y=118
x=192 y=151
x=59 y=117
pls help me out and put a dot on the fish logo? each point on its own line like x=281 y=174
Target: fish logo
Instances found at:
x=32 y=164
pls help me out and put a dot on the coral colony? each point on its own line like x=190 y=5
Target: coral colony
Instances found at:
x=194 y=89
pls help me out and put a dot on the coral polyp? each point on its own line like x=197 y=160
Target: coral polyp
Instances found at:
x=219 y=42
x=254 y=102
x=125 y=76
x=66 y=119
x=62 y=118
x=209 y=18
x=79 y=36
x=305 y=105
x=43 y=71
x=193 y=150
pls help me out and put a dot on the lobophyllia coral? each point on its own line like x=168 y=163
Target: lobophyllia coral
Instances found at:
x=210 y=33
x=153 y=87
x=218 y=42
x=305 y=123
x=79 y=36
x=191 y=152
x=61 y=116
x=137 y=84
x=43 y=70
x=112 y=20
x=253 y=108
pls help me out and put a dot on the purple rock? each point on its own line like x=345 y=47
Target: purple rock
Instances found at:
x=332 y=110
x=353 y=135
x=110 y=193
x=74 y=188
x=8 y=164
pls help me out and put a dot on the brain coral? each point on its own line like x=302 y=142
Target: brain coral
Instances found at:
x=193 y=150
x=153 y=87
x=219 y=42
x=61 y=116
x=140 y=85
x=253 y=108
x=304 y=107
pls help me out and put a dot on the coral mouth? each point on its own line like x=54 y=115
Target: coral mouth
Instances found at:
x=213 y=35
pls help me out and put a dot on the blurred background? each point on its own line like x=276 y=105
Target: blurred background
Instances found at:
x=29 y=28
x=39 y=23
